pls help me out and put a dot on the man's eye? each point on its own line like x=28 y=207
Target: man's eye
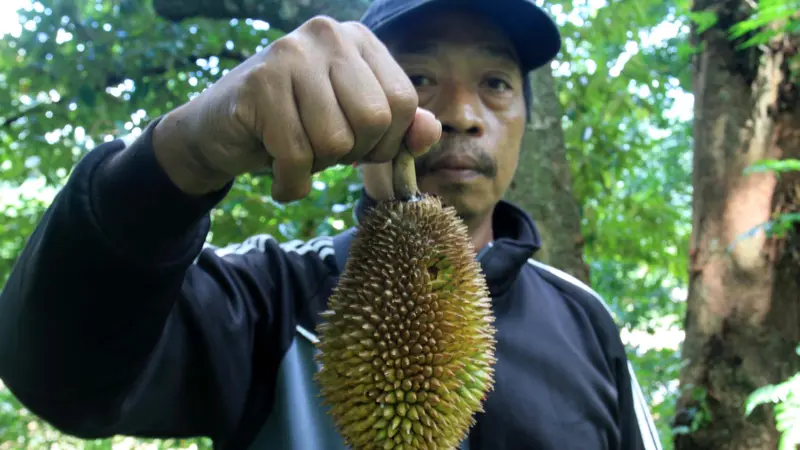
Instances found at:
x=420 y=80
x=498 y=84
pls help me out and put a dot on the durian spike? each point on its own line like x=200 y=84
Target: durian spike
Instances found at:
x=404 y=176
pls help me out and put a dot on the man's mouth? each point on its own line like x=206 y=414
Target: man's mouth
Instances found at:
x=454 y=169
x=454 y=164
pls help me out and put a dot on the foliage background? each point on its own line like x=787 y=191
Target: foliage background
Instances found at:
x=76 y=73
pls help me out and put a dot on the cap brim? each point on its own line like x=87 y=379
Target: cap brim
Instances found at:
x=531 y=31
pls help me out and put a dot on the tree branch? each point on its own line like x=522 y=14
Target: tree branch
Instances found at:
x=114 y=79
x=6 y=123
x=285 y=15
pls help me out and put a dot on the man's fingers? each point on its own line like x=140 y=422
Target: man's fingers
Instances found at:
x=356 y=104
x=379 y=179
x=424 y=132
x=398 y=89
x=284 y=138
x=325 y=124
x=291 y=179
x=363 y=101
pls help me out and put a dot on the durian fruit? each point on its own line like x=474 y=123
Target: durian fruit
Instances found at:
x=407 y=343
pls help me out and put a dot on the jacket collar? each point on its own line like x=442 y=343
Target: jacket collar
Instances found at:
x=516 y=239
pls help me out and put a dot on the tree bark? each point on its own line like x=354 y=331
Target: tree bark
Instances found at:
x=285 y=15
x=543 y=183
x=743 y=307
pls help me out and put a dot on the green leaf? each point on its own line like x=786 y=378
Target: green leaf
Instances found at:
x=785 y=165
x=766 y=394
x=704 y=19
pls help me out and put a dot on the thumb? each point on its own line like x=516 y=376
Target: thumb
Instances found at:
x=424 y=132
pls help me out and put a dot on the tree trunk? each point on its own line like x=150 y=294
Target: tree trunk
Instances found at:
x=543 y=183
x=743 y=308
x=285 y=15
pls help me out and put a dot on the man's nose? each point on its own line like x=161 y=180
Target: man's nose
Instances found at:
x=460 y=110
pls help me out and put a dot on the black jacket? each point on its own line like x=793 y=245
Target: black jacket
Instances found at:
x=118 y=319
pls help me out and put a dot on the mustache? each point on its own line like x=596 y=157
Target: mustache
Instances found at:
x=482 y=161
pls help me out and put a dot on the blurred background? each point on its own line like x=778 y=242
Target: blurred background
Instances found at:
x=664 y=143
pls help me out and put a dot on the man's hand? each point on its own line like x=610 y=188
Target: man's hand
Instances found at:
x=327 y=93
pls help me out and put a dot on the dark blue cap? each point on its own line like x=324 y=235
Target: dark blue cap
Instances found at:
x=530 y=29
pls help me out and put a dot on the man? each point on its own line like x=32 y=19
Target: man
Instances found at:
x=116 y=319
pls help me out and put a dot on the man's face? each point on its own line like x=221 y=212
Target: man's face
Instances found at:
x=467 y=75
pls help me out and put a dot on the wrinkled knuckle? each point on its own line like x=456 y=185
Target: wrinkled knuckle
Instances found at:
x=248 y=89
x=322 y=26
x=287 y=44
x=338 y=145
x=376 y=119
x=259 y=75
x=359 y=28
x=257 y=79
x=321 y=20
x=403 y=100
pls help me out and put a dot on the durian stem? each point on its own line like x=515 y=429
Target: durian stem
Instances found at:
x=404 y=176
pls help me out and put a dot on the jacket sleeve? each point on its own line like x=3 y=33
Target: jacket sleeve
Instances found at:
x=117 y=320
